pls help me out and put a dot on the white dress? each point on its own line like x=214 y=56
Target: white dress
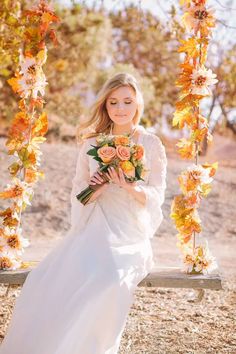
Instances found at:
x=77 y=300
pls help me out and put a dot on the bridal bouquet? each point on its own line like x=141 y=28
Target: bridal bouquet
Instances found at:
x=115 y=151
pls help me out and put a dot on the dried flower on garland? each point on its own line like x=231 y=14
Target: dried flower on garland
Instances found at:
x=26 y=132
x=195 y=183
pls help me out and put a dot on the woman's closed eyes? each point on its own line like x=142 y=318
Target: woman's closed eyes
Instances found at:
x=112 y=103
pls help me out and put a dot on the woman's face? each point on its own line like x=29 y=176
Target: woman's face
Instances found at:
x=122 y=105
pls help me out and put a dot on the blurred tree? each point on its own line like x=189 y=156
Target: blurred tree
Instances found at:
x=84 y=37
x=94 y=44
x=140 y=38
x=11 y=32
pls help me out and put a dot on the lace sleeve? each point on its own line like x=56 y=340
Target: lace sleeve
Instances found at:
x=79 y=212
x=155 y=188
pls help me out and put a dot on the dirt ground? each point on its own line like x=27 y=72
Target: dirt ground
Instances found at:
x=161 y=321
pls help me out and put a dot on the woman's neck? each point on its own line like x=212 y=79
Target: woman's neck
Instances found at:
x=122 y=129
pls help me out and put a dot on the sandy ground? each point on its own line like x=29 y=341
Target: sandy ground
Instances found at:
x=161 y=321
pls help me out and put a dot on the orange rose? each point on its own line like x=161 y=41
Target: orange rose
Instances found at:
x=121 y=140
x=128 y=168
x=123 y=152
x=138 y=152
x=106 y=153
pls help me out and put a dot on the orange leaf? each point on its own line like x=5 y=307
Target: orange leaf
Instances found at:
x=20 y=125
x=14 y=83
x=30 y=176
x=13 y=192
x=9 y=220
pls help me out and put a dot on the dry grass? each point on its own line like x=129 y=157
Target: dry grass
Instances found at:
x=161 y=321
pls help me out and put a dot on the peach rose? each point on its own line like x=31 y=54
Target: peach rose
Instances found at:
x=138 y=152
x=128 y=168
x=121 y=140
x=123 y=152
x=106 y=153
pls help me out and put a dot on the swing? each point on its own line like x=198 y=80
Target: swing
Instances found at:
x=166 y=277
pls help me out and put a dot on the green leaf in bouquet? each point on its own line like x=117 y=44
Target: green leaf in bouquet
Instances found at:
x=138 y=171
x=92 y=152
x=97 y=158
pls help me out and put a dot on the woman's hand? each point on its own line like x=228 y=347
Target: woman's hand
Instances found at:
x=119 y=178
x=96 y=178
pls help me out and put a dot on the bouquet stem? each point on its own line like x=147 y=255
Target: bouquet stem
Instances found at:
x=86 y=193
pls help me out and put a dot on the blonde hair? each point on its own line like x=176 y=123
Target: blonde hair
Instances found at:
x=99 y=121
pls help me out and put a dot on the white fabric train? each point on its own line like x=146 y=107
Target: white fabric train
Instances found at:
x=76 y=301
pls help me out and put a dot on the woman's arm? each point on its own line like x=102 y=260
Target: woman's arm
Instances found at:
x=137 y=193
x=154 y=190
x=97 y=193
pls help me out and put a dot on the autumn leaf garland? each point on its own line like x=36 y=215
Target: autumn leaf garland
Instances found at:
x=26 y=132
x=195 y=183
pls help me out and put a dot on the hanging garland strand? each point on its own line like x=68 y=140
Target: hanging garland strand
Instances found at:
x=195 y=183
x=26 y=132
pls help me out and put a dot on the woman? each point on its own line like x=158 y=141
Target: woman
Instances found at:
x=76 y=301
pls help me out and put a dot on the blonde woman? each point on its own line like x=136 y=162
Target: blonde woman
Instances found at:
x=76 y=301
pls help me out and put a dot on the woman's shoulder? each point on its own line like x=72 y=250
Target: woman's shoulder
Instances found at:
x=86 y=141
x=151 y=137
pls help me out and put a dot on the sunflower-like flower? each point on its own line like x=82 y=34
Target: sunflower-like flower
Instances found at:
x=32 y=83
x=19 y=190
x=30 y=79
x=8 y=262
x=202 y=78
x=195 y=182
x=198 y=17
x=13 y=242
x=199 y=260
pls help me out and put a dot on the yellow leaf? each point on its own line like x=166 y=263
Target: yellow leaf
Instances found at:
x=186 y=149
x=40 y=126
x=41 y=56
x=14 y=168
x=212 y=166
x=190 y=47
x=184 y=2
x=14 y=83
x=28 y=264
x=182 y=117
x=206 y=188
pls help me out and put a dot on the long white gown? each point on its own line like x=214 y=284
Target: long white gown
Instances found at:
x=77 y=300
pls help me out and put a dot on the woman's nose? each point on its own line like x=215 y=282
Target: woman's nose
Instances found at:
x=120 y=106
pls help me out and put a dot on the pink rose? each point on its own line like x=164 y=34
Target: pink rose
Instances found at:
x=123 y=152
x=106 y=153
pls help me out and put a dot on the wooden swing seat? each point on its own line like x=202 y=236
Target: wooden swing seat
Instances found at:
x=165 y=277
